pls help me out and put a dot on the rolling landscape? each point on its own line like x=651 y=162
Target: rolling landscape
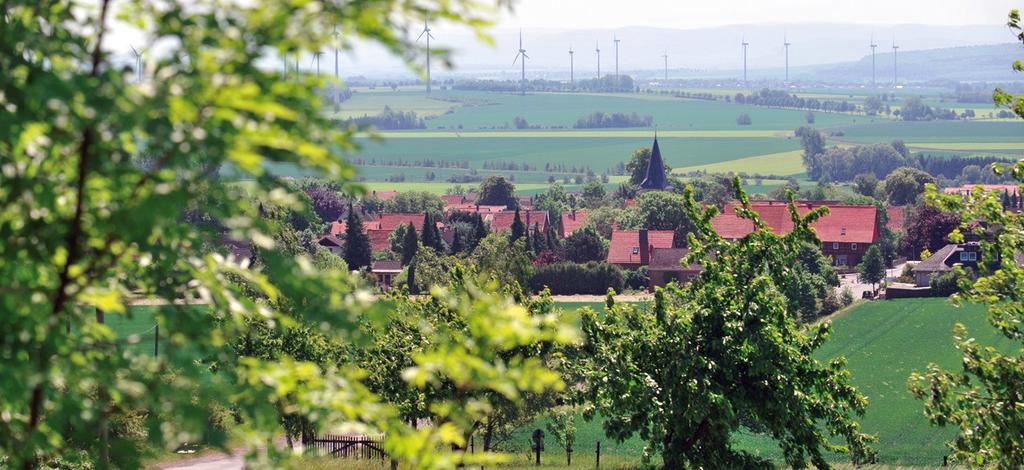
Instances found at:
x=562 y=235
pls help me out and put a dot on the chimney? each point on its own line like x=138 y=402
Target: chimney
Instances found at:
x=645 y=254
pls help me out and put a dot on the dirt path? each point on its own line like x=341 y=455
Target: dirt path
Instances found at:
x=213 y=461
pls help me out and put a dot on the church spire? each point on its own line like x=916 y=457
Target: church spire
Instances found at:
x=656 y=180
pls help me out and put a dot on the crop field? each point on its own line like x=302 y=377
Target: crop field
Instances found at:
x=598 y=154
x=883 y=342
x=782 y=163
x=936 y=131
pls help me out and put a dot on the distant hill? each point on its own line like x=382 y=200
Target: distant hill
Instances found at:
x=970 y=63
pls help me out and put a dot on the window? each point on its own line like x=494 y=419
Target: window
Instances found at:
x=853 y=247
x=636 y=250
x=842 y=231
x=835 y=245
x=968 y=256
x=841 y=260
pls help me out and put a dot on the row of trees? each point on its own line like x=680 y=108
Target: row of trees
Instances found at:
x=601 y=120
x=783 y=99
x=388 y=119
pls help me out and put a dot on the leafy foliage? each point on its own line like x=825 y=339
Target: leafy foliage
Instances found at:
x=750 y=358
x=99 y=174
x=567 y=278
x=638 y=163
x=497 y=191
x=872 y=267
x=585 y=245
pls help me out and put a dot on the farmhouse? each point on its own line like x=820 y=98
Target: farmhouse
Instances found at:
x=631 y=249
x=845 y=233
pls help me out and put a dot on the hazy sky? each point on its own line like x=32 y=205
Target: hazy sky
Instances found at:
x=682 y=14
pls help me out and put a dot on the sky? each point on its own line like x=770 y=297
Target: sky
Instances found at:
x=685 y=14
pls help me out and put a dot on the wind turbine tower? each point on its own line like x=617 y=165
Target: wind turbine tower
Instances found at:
x=572 y=75
x=426 y=31
x=138 y=64
x=873 y=47
x=745 y=44
x=597 y=50
x=337 y=78
x=895 y=49
x=522 y=53
x=665 y=56
x=616 y=40
x=786 y=43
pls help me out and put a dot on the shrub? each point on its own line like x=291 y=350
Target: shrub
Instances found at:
x=830 y=304
x=744 y=120
x=947 y=284
x=846 y=298
x=637 y=279
x=566 y=278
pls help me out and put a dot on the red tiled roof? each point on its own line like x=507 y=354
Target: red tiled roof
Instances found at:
x=624 y=248
x=384 y=195
x=337 y=228
x=572 y=221
x=380 y=240
x=386 y=266
x=897 y=218
x=844 y=223
x=501 y=221
x=390 y=222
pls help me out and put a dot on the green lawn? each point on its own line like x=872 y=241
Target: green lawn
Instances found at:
x=884 y=341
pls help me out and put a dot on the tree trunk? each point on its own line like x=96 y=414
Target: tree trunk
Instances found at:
x=488 y=435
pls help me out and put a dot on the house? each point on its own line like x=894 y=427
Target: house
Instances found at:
x=385 y=272
x=502 y=221
x=477 y=208
x=631 y=249
x=453 y=200
x=942 y=261
x=571 y=221
x=845 y=232
x=390 y=222
x=966 y=189
x=665 y=267
x=525 y=202
x=333 y=243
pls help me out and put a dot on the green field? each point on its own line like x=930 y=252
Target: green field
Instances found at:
x=884 y=341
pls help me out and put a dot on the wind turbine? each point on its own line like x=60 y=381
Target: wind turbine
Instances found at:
x=337 y=78
x=522 y=52
x=665 y=56
x=572 y=76
x=597 y=49
x=785 y=42
x=138 y=64
x=316 y=59
x=426 y=31
x=616 y=40
x=873 y=46
x=745 y=44
x=895 y=49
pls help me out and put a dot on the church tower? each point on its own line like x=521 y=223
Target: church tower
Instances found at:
x=656 y=180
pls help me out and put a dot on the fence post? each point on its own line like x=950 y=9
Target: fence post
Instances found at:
x=598 y=454
x=156 y=342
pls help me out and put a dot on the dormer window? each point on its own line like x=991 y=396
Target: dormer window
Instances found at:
x=968 y=256
x=636 y=250
x=842 y=231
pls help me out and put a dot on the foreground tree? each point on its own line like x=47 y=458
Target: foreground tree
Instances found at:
x=99 y=174
x=751 y=360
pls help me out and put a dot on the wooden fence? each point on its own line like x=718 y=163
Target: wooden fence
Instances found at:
x=346 y=446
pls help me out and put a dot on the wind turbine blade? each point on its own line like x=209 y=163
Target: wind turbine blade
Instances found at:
x=431 y=36
x=525 y=56
x=421 y=34
x=515 y=60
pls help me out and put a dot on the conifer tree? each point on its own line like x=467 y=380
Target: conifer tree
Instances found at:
x=538 y=242
x=552 y=238
x=410 y=244
x=358 y=252
x=518 y=228
x=480 y=230
x=431 y=236
x=456 y=243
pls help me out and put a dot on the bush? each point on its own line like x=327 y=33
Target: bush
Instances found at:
x=846 y=298
x=947 y=284
x=831 y=304
x=637 y=279
x=566 y=278
x=744 y=120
